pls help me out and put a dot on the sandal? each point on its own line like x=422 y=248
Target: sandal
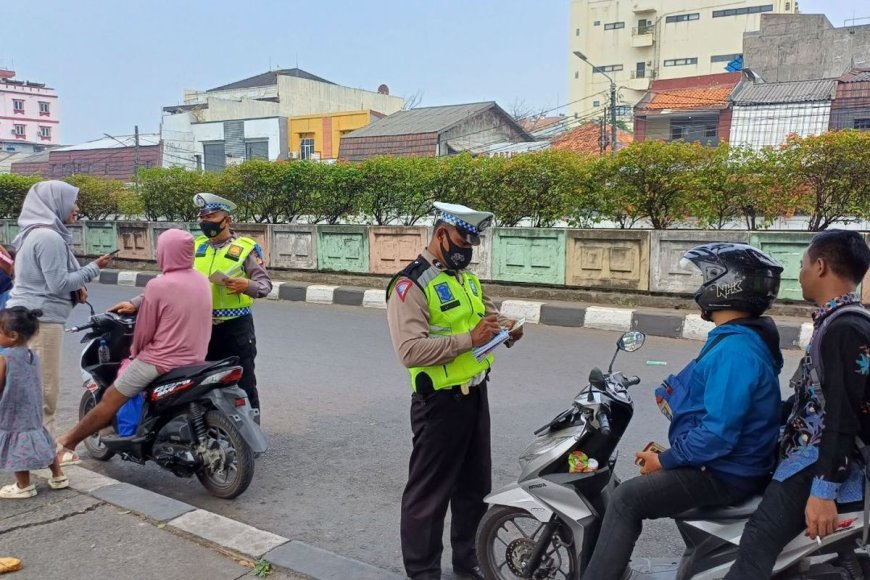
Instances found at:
x=59 y=482
x=12 y=491
x=67 y=456
x=9 y=565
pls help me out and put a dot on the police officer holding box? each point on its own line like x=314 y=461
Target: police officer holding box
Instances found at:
x=437 y=313
x=234 y=265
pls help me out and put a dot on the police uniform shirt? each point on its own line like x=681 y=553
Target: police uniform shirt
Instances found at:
x=260 y=282
x=408 y=319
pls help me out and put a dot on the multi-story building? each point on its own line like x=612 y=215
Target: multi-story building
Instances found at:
x=29 y=119
x=636 y=41
x=319 y=136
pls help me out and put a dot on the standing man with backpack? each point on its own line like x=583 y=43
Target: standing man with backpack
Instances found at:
x=819 y=464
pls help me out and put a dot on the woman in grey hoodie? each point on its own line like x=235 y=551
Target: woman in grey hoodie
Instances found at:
x=49 y=277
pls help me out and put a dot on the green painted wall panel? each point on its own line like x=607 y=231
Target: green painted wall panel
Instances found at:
x=787 y=248
x=528 y=255
x=100 y=238
x=343 y=248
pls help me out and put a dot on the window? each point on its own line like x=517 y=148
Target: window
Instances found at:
x=45 y=132
x=596 y=103
x=644 y=26
x=710 y=131
x=214 y=155
x=743 y=11
x=614 y=25
x=606 y=69
x=18 y=105
x=676 y=133
x=681 y=61
x=640 y=70
x=863 y=124
x=787 y=6
x=256 y=150
x=724 y=57
x=576 y=74
x=18 y=130
x=306 y=148
x=577 y=32
x=683 y=17
x=596 y=23
x=623 y=111
x=44 y=108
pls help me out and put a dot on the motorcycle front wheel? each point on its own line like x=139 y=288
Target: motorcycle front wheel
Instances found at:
x=93 y=444
x=228 y=462
x=505 y=539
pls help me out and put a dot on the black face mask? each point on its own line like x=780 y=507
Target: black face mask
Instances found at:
x=456 y=257
x=211 y=229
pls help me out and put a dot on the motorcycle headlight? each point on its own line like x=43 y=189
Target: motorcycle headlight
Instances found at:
x=543 y=445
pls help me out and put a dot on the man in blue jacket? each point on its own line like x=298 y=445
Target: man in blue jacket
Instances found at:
x=724 y=408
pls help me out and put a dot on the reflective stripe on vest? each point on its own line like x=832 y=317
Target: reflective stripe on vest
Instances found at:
x=454 y=308
x=229 y=259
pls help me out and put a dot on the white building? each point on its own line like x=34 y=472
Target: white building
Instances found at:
x=765 y=114
x=247 y=119
x=634 y=41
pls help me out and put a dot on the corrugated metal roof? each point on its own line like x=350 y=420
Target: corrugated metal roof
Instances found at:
x=856 y=75
x=422 y=120
x=145 y=140
x=789 y=92
x=269 y=79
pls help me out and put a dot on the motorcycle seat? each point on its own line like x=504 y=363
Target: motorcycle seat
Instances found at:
x=193 y=370
x=729 y=512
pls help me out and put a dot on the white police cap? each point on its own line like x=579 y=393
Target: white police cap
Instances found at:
x=209 y=202
x=471 y=223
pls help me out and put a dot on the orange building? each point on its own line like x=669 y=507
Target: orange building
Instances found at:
x=318 y=136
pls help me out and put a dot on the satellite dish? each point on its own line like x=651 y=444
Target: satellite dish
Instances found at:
x=383 y=90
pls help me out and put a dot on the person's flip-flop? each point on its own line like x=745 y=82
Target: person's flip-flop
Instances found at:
x=9 y=565
x=67 y=456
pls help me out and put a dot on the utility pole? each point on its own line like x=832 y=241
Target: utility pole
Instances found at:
x=612 y=118
x=136 y=160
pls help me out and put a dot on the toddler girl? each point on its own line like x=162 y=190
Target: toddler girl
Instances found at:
x=24 y=443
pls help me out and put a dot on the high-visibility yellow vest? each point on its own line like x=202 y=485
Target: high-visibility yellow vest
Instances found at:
x=229 y=259
x=454 y=308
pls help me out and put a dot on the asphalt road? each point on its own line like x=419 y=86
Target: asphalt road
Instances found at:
x=335 y=408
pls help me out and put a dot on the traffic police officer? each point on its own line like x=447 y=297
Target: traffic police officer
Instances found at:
x=437 y=312
x=234 y=265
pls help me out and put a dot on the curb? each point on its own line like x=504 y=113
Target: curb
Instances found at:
x=793 y=335
x=227 y=534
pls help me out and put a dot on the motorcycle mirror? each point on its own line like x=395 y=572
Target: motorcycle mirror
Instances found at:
x=631 y=341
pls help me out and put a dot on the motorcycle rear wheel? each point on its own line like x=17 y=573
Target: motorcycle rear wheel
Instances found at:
x=93 y=444
x=505 y=539
x=237 y=458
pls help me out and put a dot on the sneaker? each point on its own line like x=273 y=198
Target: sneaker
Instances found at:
x=12 y=491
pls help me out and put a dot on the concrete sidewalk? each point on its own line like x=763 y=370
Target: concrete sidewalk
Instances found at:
x=102 y=528
x=668 y=323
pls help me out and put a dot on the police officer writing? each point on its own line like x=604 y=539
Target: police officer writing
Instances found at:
x=437 y=313
x=234 y=265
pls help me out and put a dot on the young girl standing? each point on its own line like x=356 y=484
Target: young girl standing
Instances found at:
x=24 y=443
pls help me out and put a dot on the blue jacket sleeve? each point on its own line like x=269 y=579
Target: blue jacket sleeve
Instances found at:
x=729 y=380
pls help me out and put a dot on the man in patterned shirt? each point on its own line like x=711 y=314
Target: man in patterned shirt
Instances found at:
x=818 y=466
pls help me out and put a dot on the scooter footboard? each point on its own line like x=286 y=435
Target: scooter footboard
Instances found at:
x=515 y=496
x=242 y=417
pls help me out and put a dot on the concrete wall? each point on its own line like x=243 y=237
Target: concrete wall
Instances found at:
x=298 y=96
x=391 y=248
x=805 y=47
x=667 y=250
x=608 y=259
x=235 y=110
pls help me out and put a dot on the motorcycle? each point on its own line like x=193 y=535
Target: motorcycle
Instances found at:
x=194 y=420
x=545 y=525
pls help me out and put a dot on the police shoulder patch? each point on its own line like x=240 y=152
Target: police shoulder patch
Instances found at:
x=402 y=288
x=445 y=294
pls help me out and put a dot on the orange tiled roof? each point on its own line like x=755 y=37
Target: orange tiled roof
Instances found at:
x=715 y=97
x=584 y=139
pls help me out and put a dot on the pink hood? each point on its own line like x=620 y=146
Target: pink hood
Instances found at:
x=175 y=250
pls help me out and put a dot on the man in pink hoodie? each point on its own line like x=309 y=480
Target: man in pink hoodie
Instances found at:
x=172 y=330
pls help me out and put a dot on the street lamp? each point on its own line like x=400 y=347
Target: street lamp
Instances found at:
x=596 y=69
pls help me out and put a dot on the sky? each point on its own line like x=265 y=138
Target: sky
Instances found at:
x=115 y=64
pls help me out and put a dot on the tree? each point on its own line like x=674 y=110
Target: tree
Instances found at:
x=13 y=190
x=655 y=180
x=167 y=194
x=257 y=187
x=98 y=197
x=828 y=175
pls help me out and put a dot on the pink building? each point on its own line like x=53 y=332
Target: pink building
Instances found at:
x=29 y=119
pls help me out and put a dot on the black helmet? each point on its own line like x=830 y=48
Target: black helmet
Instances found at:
x=736 y=277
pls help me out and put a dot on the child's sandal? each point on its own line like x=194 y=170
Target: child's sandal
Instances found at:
x=12 y=491
x=66 y=456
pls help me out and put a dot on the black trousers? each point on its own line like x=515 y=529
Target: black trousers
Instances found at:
x=778 y=519
x=661 y=494
x=236 y=337
x=450 y=464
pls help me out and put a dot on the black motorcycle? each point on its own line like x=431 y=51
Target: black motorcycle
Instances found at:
x=194 y=420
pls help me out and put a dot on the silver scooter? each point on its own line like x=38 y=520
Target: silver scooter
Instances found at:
x=545 y=525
